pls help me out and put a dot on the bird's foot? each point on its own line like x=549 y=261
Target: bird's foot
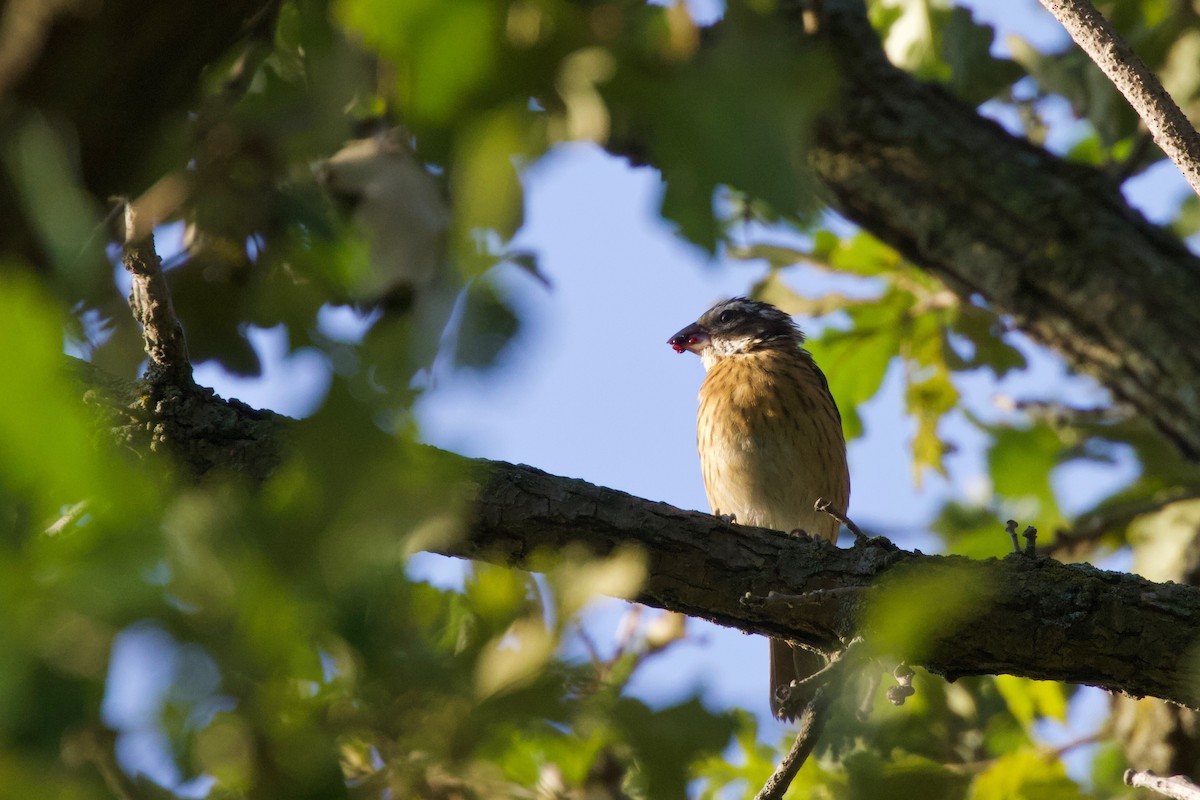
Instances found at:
x=824 y=505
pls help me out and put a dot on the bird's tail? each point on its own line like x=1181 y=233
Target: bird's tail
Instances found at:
x=789 y=664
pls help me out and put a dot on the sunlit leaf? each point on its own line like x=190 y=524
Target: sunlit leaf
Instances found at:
x=1028 y=699
x=1025 y=775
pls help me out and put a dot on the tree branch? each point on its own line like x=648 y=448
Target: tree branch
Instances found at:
x=1041 y=619
x=1178 y=787
x=1166 y=122
x=1049 y=242
x=150 y=301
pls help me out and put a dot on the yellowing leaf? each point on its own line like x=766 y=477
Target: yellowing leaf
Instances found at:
x=577 y=581
x=514 y=658
x=1025 y=775
x=1028 y=699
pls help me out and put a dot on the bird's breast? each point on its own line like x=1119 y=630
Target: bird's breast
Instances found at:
x=770 y=442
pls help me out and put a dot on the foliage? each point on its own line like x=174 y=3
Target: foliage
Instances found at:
x=299 y=658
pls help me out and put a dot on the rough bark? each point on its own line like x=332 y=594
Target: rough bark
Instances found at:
x=1041 y=619
x=1051 y=243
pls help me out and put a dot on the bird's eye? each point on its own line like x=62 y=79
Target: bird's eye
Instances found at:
x=725 y=318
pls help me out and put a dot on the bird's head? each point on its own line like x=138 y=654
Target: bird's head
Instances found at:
x=735 y=326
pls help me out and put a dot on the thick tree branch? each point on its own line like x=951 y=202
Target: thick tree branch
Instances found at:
x=1040 y=619
x=1051 y=243
x=1140 y=86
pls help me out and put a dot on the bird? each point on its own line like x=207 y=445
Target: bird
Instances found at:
x=770 y=440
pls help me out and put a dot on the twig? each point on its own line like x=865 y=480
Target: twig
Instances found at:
x=1030 y=536
x=1179 y=787
x=1141 y=87
x=1090 y=527
x=95 y=745
x=823 y=505
x=812 y=720
x=812 y=723
x=69 y=517
x=150 y=301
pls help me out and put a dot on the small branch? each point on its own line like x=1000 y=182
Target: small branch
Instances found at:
x=150 y=301
x=1167 y=124
x=96 y=746
x=829 y=681
x=1010 y=528
x=823 y=505
x=1179 y=787
x=1092 y=526
x=812 y=723
x=69 y=517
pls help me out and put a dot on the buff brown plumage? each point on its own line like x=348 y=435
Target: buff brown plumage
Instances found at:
x=769 y=436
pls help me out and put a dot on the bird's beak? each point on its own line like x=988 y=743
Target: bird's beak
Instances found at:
x=694 y=337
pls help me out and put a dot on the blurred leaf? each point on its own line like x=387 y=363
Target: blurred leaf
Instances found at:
x=48 y=450
x=1029 y=700
x=1091 y=95
x=975 y=75
x=39 y=161
x=1108 y=770
x=444 y=52
x=910 y=611
x=982 y=329
x=901 y=776
x=972 y=531
x=514 y=658
x=485 y=186
x=577 y=579
x=667 y=741
x=1021 y=462
x=1025 y=775
x=755 y=84
x=488 y=326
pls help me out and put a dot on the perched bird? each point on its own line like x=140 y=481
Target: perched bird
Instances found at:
x=769 y=435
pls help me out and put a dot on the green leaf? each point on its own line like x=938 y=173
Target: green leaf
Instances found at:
x=445 y=52
x=488 y=325
x=912 y=610
x=1025 y=775
x=668 y=741
x=1021 y=462
x=48 y=451
x=972 y=531
x=975 y=75
x=983 y=331
x=1029 y=700
x=900 y=777
x=754 y=85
